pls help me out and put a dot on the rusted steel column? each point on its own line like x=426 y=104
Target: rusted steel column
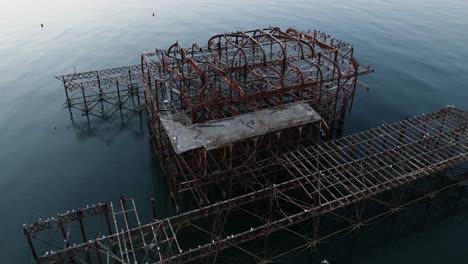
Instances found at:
x=66 y=92
x=138 y=98
x=316 y=227
x=31 y=245
x=130 y=75
x=83 y=234
x=106 y=215
x=101 y=95
x=98 y=254
x=153 y=208
x=156 y=91
x=80 y=220
x=118 y=94
x=84 y=99
x=124 y=207
x=64 y=234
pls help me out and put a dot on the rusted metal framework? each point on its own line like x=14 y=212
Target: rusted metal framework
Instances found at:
x=100 y=103
x=212 y=108
x=355 y=179
x=248 y=126
x=247 y=71
x=215 y=107
x=102 y=93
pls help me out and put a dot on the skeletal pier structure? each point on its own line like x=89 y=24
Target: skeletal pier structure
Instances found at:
x=247 y=131
x=103 y=93
x=372 y=174
x=101 y=102
x=242 y=98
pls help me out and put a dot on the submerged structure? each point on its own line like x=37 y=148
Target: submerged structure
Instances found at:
x=247 y=131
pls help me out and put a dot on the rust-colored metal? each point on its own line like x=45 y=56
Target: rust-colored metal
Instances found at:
x=378 y=171
x=103 y=93
x=252 y=70
x=248 y=127
x=239 y=73
x=232 y=75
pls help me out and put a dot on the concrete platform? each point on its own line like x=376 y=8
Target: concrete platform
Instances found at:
x=217 y=133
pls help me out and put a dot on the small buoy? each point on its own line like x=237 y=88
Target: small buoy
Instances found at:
x=153 y=14
x=42 y=25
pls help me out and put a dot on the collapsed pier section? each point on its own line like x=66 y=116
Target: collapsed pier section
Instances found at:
x=102 y=93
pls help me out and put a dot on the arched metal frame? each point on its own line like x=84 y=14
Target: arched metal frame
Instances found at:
x=243 y=72
x=236 y=73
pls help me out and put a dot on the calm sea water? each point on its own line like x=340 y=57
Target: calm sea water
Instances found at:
x=47 y=165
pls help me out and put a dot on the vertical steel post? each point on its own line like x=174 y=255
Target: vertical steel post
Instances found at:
x=64 y=234
x=101 y=96
x=153 y=208
x=80 y=220
x=83 y=234
x=118 y=94
x=31 y=245
x=106 y=215
x=98 y=254
x=66 y=92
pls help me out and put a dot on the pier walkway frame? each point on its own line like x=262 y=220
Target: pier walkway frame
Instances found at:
x=381 y=170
